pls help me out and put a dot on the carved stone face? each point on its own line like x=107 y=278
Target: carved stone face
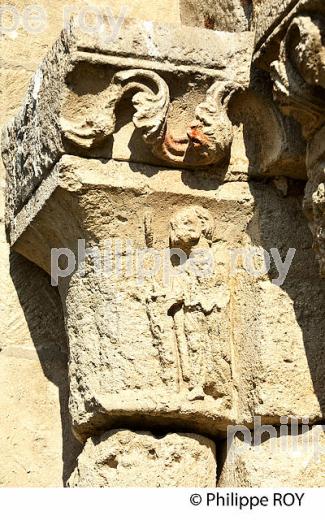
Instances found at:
x=186 y=229
x=189 y=225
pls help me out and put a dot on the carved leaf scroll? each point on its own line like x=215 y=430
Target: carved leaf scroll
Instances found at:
x=207 y=141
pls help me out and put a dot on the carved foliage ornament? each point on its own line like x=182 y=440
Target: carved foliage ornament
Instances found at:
x=299 y=86
x=299 y=74
x=207 y=141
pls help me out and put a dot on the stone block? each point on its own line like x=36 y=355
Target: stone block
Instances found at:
x=140 y=459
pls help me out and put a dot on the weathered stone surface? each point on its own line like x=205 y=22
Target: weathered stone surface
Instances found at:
x=33 y=378
x=315 y=195
x=224 y=15
x=268 y=16
x=32 y=401
x=278 y=350
x=259 y=356
x=140 y=349
x=288 y=460
x=163 y=138
x=139 y=459
x=272 y=20
x=299 y=88
x=64 y=115
x=257 y=120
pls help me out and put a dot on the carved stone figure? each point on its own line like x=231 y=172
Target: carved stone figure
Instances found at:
x=196 y=297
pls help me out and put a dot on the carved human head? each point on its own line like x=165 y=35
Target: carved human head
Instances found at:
x=189 y=225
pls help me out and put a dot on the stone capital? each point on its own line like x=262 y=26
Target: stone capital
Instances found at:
x=156 y=180
x=112 y=139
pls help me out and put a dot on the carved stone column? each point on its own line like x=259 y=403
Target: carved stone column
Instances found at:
x=116 y=156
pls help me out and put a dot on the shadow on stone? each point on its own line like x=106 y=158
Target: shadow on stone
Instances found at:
x=279 y=223
x=43 y=312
